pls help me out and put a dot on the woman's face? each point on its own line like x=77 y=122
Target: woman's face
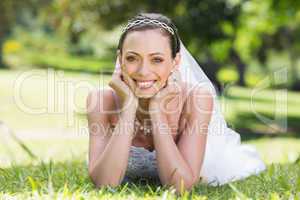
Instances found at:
x=146 y=57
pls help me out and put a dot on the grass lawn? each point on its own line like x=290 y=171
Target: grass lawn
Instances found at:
x=47 y=158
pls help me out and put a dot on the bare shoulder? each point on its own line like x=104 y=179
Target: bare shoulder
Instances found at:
x=100 y=100
x=190 y=91
x=99 y=106
x=198 y=97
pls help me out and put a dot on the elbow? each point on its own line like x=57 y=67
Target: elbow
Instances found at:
x=190 y=184
x=186 y=186
x=100 y=182
x=182 y=184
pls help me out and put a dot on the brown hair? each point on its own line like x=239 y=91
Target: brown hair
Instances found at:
x=174 y=39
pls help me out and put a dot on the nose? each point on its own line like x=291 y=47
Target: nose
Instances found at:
x=144 y=69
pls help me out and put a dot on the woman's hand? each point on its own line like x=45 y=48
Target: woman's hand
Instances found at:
x=159 y=102
x=122 y=83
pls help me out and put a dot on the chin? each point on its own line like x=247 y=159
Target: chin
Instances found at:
x=145 y=95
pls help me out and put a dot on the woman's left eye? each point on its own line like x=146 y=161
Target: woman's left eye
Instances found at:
x=157 y=60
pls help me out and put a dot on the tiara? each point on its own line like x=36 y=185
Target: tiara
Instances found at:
x=149 y=21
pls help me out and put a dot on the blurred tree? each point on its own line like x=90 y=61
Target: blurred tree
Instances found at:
x=201 y=25
x=269 y=25
x=12 y=11
x=218 y=33
x=5 y=22
x=199 y=22
x=286 y=16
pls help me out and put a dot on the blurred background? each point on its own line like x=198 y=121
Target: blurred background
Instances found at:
x=53 y=52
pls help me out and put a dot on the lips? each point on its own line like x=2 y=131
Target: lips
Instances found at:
x=144 y=84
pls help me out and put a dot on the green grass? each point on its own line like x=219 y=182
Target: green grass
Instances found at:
x=68 y=179
x=51 y=164
x=34 y=94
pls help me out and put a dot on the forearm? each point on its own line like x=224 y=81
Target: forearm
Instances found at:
x=110 y=167
x=173 y=169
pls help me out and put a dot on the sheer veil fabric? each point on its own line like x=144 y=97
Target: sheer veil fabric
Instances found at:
x=226 y=159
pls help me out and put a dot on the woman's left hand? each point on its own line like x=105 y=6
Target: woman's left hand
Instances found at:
x=159 y=102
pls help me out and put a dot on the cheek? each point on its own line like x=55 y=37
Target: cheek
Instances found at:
x=129 y=68
x=164 y=76
x=164 y=72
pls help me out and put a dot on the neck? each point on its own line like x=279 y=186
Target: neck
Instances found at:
x=143 y=108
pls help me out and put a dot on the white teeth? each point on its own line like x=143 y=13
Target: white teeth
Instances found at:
x=144 y=84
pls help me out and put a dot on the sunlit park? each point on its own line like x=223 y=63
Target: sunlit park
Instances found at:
x=53 y=53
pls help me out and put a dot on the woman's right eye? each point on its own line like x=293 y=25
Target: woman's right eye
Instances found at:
x=130 y=58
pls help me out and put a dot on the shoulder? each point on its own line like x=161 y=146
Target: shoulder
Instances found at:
x=199 y=98
x=100 y=99
x=200 y=91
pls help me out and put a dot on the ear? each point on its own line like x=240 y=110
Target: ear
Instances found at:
x=177 y=60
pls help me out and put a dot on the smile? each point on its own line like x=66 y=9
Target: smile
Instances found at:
x=144 y=84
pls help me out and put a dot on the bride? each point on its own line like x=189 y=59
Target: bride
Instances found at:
x=160 y=117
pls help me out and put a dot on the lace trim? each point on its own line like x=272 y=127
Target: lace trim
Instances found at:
x=141 y=163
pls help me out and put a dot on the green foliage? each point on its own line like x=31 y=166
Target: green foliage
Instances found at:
x=56 y=53
x=227 y=75
x=220 y=50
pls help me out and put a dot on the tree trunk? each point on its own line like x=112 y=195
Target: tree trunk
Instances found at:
x=294 y=71
x=2 y=65
x=211 y=68
x=241 y=67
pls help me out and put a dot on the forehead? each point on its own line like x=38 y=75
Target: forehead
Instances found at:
x=147 y=41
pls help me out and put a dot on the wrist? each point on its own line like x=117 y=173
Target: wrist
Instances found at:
x=128 y=116
x=160 y=124
x=154 y=107
x=157 y=117
x=125 y=129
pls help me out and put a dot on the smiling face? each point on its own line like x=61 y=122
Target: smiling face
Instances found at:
x=147 y=58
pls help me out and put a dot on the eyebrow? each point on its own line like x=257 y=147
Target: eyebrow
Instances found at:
x=151 y=54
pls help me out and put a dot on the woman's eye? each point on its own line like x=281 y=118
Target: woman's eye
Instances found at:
x=130 y=58
x=157 y=60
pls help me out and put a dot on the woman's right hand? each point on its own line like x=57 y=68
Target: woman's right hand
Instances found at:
x=122 y=84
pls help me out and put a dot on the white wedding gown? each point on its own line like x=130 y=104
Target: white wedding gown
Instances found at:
x=226 y=159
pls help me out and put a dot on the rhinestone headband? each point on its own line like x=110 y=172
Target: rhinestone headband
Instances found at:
x=149 y=21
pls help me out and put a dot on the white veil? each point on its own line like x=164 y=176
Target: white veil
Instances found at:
x=226 y=159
